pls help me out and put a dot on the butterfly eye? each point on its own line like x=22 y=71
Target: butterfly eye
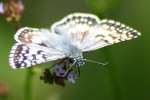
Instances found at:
x=79 y=61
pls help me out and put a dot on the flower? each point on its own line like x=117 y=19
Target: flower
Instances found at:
x=72 y=76
x=12 y=10
x=59 y=70
x=65 y=71
x=1 y=8
x=59 y=73
x=51 y=78
x=47 y=76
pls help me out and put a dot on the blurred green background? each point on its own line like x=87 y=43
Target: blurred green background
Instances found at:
x=126 y=77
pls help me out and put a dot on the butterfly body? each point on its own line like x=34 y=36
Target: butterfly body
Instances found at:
x=68 y=38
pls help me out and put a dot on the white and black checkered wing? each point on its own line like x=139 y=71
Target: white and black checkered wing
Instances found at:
x=108 y=32
x=27 y=35
x=88 y=32
x=33 y=47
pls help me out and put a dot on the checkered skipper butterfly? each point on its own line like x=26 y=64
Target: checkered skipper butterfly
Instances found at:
x=67 y=38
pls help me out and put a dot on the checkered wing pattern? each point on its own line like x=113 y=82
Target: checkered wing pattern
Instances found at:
x=108 y=32
x=88 y=32
x=33 y=47
x=33 y=35
x=76 y=27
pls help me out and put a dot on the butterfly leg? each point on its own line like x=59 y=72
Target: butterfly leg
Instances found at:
x=78 y=70
x=69 y=68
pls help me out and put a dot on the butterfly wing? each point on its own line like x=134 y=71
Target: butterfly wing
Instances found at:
x=108 y=32
x=33 y=35
x=33 y=47
x=88 y=32
x=75 y=27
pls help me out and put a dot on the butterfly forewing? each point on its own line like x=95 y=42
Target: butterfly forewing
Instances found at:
x=88 y=32
x=33 y=35
x=73 y=20
x=109 y=32
x=75 y=26
x=117 y=31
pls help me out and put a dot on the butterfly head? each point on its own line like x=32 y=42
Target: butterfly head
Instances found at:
x=77 y=61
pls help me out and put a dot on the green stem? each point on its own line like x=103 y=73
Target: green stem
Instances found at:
x=115 y=87
x=28 y=84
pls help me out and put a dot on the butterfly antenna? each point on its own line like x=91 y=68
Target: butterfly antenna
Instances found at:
x=96 y=62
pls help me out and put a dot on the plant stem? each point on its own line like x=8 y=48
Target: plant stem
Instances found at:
x=28 y=84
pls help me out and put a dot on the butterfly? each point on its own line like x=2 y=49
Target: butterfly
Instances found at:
x=68 y=38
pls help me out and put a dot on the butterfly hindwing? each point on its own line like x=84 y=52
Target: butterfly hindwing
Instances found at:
x=22 y=56
x=27 y=55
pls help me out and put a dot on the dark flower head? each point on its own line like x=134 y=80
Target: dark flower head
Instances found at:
x=12 y=10
x=47 y=77
x=59 y=73
x=50 y=78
